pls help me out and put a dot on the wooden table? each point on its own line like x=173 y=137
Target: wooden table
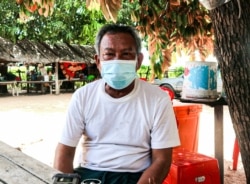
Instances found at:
x=59 y=83
x=51 y=84
x=12 y=85
x=16 y=167
x=42 y=83
x=218 y=129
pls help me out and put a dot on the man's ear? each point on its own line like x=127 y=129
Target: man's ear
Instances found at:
x=139 y=61
x=97 y=61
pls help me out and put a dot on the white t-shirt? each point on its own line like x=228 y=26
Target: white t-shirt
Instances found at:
x=118 y=133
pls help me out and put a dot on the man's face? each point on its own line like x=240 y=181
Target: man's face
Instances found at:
x=118 y=46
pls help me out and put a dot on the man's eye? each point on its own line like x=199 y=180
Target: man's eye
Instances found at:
x=109 y=54
x=128 y=55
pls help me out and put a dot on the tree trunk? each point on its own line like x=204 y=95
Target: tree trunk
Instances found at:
x=232 y=48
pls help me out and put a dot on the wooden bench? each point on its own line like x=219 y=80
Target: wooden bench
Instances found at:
x=17 y=167
x=42 y=83
x=12 y=85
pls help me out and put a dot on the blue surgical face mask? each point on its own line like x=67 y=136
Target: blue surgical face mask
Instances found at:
x=118 y=74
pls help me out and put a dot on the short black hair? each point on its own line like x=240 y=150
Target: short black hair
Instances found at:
x=117 y=28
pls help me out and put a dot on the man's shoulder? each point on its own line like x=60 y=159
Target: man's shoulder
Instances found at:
x=151 y=89
x=148 y=85
x=89 y=87
x=93 y=84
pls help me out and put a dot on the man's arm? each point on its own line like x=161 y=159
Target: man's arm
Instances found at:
x=157 y=172
x=64 y=157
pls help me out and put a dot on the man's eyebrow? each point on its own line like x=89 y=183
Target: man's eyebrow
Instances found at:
x=123 y=50
x=108 y=49
x=129 y=49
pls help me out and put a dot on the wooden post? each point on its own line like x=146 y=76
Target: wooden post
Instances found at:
x=57 y=86
x=218 y=138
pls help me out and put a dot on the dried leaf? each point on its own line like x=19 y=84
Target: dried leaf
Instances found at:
x=110 y=9
x=93 y=4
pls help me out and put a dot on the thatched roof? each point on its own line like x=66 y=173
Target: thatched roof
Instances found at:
x=30 y=52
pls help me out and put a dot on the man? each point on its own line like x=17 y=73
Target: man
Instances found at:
x=127 y=125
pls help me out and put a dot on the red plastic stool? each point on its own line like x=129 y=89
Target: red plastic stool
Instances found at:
x=236 y=152
x=192 y=168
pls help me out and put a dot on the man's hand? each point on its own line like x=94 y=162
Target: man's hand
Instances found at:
x=157 y=172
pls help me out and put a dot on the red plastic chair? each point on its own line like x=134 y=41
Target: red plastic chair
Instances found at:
x=236 y=153
x=169 y=91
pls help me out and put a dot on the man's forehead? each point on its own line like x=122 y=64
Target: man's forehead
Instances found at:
x=120 y=38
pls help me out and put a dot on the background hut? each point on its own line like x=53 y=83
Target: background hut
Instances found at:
x=36 y=53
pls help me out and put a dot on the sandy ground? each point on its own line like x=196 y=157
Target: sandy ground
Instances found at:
x=33 y=123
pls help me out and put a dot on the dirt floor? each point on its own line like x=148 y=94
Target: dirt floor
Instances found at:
x=32 y=123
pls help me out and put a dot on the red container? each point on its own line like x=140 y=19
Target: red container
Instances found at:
x=188 y=117
x=192 y=168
